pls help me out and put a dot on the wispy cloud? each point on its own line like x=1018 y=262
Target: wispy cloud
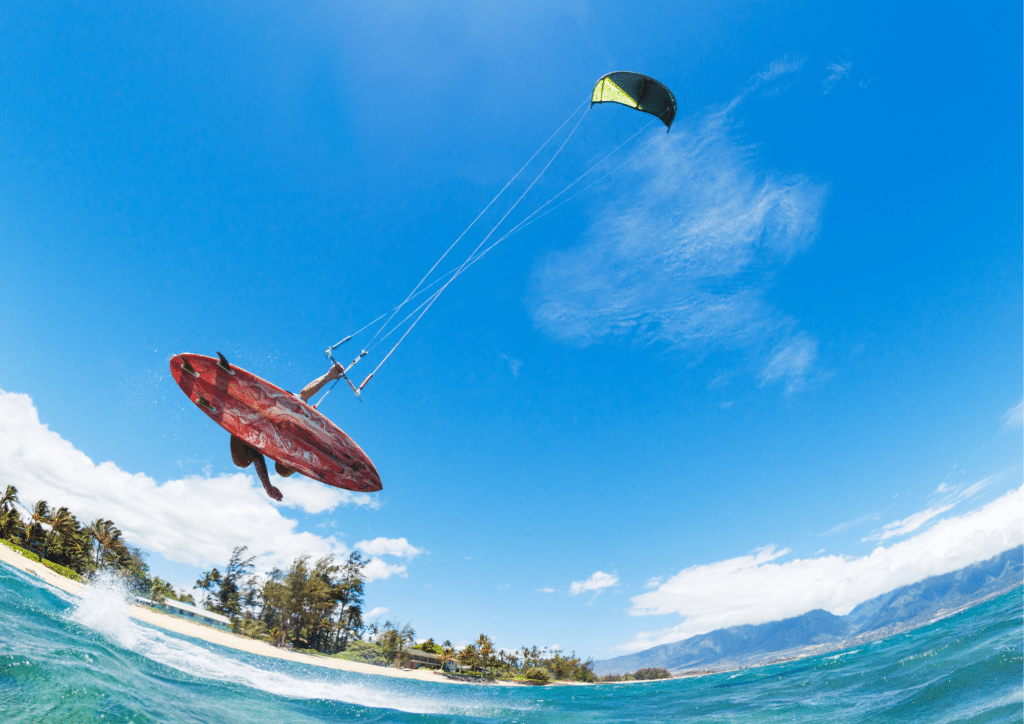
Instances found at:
x=946 y=497
x=773 y=80
x=846 y=525
x=194 y=520
x=908 y=524
x=546 y=589
x=783 y=66
x=1014 y=417
x=791 y=362
x=513 y=364
x=754 y=589
x=836 y=72
x=687 y=260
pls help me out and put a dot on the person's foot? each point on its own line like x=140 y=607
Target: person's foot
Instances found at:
x=273 y=492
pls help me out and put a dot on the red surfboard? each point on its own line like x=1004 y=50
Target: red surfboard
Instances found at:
x=277 y=423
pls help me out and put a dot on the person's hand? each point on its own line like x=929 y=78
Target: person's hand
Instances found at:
x=335 y=372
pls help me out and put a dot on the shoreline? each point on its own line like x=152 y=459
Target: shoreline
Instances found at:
x=261 y=648
x=225 y=638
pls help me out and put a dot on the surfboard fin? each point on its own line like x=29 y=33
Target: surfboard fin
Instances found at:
x=187 y=367
x=223 y=364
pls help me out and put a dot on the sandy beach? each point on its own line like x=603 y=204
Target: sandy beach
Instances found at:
x=215 y=636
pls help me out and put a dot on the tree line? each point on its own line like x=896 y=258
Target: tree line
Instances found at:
x=310 y=605
x=57 y=538
x=639 y=675
x=316 y=606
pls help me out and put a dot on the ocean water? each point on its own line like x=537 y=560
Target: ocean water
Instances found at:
x=64 y=659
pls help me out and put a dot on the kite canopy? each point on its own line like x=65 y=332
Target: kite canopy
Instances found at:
x=636 y=91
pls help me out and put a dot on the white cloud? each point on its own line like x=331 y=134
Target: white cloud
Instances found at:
x=378 y=570
x=193 y=520
x=545 y=590
x=1014 y=417
x=299 y=492
x=751 y=589
x=399 y=547
x=837 y=71
x=689 y=259
x=375 y=612
x=597 y=582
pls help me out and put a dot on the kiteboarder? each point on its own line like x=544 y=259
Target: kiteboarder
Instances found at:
x=243 y=454
x=254 y=409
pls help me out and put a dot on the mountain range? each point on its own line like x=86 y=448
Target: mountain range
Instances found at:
x=819 y=631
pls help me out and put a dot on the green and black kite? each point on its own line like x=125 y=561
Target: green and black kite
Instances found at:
x=638 y=91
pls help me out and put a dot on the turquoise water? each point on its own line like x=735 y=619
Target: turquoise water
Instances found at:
x=69 y=660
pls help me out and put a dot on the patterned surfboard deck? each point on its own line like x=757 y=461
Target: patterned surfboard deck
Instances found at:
x=275 y=422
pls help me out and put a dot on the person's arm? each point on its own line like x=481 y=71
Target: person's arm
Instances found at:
x=318 y=384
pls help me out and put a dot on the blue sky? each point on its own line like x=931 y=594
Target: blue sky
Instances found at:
x=775 y=351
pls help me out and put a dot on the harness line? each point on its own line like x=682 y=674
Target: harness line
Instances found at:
x=476 y=255
x=469 y=258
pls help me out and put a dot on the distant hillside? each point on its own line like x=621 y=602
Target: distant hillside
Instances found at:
x=818 y=631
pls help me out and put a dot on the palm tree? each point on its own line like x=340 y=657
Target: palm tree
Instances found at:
x=408 y=634
x=447 y=653
x=65 y=527
x=253 y=628
x=110 y=547
x=62 y=522
x=160 y=589
x=486 y=649
x=11 y=525
x=469 y=656
x=209 y=579
x=8 y=499
x=37 y=529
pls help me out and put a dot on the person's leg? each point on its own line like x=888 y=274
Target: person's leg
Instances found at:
x=241 y=454
x=244 y=454
x=283 y=470
x=261 y=470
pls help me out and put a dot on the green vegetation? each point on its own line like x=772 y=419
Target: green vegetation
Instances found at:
x=641 y=675
x=537 y=675
x=55 y=538
x=55 y=567
x=649 y=674
x=316 y=607
x=363 y=652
